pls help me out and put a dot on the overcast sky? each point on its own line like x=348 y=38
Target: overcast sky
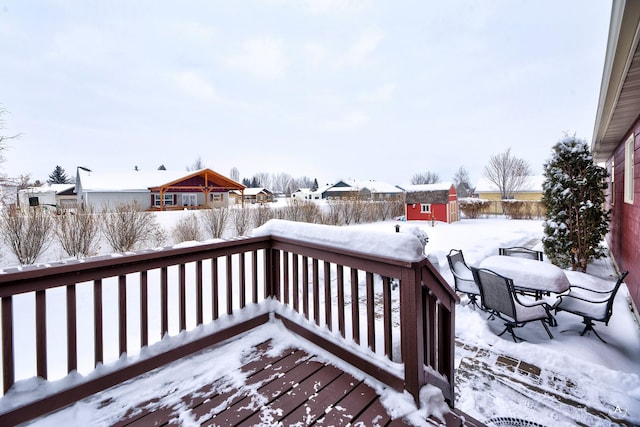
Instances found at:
x=330 y=89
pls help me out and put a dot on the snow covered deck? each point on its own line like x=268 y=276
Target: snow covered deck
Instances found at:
x=100 y=322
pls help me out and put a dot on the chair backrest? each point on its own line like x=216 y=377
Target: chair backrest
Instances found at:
x=496 y=291
x=458 y=266
x=522 y=252
x=613 y=296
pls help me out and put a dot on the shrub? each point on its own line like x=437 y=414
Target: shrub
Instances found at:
x=26 y=232
x=78 y=231
x=473 y=208
x=187 y=229
x=215 y=221
x=128 y=227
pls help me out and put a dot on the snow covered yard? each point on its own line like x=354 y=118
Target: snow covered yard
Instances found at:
x=604 y=378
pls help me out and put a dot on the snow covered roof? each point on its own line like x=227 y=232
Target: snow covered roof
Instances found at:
x=440 y=186
x=130 y=180
x=252 y=191
x=372 y=185
x=533 y=185
x=48 y=188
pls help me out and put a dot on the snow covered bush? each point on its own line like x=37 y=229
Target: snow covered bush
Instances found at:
x=214 y=221
x=187 y=229
x=78 y=231
x=472 y=207
x=574 y=195
x=129 y=226
x=26 y=232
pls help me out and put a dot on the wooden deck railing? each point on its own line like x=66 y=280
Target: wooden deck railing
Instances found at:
x=392 y=319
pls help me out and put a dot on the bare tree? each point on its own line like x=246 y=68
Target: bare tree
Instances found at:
x=187 y=229
x=27 y=232
x=78 y=231
x=425 y=178
x=463 y=183
x=282 y=183
x=197 y=165
x=507 y=172
x=4 y=139
x=129 y=226
x=215 y=221
x=234 y=174
x=263 y=179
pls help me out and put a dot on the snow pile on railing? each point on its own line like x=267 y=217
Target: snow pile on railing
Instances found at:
x=403 y=246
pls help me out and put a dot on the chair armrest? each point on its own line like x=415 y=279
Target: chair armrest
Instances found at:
x=530 y=304
x=590 y=290
x=591 y=301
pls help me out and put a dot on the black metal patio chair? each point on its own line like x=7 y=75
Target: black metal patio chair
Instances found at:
x=498 y=295
x=593 y=305
x=463 y=277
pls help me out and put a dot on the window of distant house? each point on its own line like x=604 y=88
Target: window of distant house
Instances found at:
x=629 y=147
x=216 y=197
x=425 y=208
x=168 y=199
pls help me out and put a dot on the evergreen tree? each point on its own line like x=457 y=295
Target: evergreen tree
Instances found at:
x=162 y=168
x=315 y=185
x=574 y=195
x=246 y=182
x=58 y=176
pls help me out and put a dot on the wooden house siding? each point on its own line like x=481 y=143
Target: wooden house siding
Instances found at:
x=616 y=121
x=624 y=234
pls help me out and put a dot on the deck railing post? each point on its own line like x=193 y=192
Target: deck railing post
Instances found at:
x=412 y=331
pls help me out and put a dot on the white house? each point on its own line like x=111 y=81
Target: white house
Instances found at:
x=55 y=195
x=156 y=189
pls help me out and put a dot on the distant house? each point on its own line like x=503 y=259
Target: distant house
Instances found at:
x=362 y=190
x=54 y=195
x=530 y=191
x=154 y=190
x=251 y=196
x=615 y=140
x=431 y=202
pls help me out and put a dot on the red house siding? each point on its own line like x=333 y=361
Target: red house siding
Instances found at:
x=624 y=234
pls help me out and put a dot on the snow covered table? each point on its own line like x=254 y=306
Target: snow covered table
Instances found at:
x=528 y=274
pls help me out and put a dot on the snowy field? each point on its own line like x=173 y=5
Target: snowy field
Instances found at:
x=607 y=376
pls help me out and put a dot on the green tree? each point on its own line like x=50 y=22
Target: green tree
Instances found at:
x=574 y=195
x=58 y=176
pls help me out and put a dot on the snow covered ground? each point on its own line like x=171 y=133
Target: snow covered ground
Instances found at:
x=601 y=376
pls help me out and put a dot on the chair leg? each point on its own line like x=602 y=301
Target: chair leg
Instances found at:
x=546 y=328
x=509 y=328
x=588 y=326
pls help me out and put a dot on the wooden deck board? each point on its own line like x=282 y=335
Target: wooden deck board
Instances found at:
x=291 y=388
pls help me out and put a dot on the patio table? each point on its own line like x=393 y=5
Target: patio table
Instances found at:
x=529 y=274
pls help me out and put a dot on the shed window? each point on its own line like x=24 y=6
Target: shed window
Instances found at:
x=425 y=207
x=629 y=147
